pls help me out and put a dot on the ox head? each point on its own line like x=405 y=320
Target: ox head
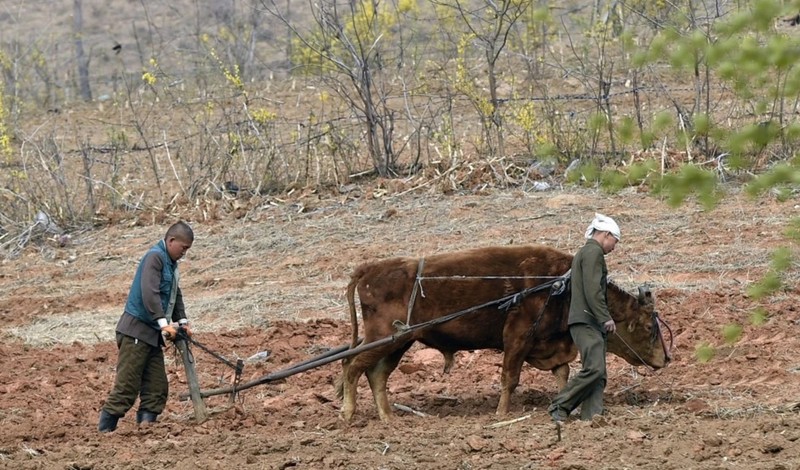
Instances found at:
x=639 y=338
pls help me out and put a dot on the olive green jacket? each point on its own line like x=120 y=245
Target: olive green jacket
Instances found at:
x=589 y=280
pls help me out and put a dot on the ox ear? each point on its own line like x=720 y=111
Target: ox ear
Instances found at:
x=645 y=296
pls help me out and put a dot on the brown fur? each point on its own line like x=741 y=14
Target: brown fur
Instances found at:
x=385 y=288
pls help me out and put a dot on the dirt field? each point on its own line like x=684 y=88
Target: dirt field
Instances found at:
x=273 y=280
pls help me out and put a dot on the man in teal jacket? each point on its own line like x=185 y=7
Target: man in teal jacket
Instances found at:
x=589 y=322
x=154 y=297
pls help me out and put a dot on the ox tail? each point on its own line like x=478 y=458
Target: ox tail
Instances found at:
x=351 y=301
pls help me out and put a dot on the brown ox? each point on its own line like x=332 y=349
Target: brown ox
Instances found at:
x=533 y=330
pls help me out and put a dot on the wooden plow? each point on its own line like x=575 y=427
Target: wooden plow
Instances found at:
x=341 y=352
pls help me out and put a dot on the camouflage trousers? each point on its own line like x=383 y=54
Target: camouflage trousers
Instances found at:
x=140 y=373
x=586 y=388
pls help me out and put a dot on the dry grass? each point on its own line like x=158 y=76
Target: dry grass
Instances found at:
x=290 y=260
x=67 y=329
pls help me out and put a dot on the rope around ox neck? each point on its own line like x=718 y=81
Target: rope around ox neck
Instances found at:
x=651 y=368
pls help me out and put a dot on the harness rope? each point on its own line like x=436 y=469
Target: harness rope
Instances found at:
x=459 y=277
x=504 y=303
x=557 y=285
x=417 y=285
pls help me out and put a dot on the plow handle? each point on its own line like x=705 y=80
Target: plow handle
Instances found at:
x=200 y=412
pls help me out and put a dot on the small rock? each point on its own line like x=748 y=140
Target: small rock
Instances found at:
x=410 y=368
x=81 y=466
x=511 y=445
x=599 y=421
x=541 y=186
x=772 y=449
x=636 y=436
x=696 y=406
x=388 y=214
x=258 y=357
x=476 y=443
x=556 y=454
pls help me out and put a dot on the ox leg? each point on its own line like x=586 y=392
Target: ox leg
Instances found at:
x=378 y=376
x=352 y=370
x=562 y=375
x=512 y=367
x=349 y=388
x=449 y=360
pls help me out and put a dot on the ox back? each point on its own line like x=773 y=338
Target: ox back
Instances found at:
x=533 y=330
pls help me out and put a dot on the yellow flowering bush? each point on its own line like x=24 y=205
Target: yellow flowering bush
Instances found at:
x=5 y=137
x=149 y=78
x=263 y=116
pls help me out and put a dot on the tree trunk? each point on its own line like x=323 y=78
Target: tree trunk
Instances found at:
x=80 y=56
x=289 y=33
x=496 y=148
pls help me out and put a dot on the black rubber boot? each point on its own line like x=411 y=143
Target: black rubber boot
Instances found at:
x=108 y=422
x=557 y=413
x=144 y=416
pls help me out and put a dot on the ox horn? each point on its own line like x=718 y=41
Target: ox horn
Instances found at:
x=644 y=293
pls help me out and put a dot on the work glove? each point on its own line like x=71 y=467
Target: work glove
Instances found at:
x=169 y=332
x=610 y=326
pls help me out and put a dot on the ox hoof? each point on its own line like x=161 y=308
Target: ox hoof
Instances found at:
x=347 y=417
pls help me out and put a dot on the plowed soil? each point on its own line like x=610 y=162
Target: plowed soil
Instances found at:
x=272 y=278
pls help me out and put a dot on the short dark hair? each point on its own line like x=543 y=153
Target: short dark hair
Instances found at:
x=182 y=230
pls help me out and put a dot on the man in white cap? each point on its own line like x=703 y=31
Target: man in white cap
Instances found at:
x=589 y=322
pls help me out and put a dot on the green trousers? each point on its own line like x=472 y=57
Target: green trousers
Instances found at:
x=140 y=373
x=586 y=388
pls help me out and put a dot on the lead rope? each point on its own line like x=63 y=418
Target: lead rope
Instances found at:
x=634 y=352
x=651 y=368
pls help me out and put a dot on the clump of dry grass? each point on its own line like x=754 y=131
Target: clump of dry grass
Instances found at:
x=67 y=329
